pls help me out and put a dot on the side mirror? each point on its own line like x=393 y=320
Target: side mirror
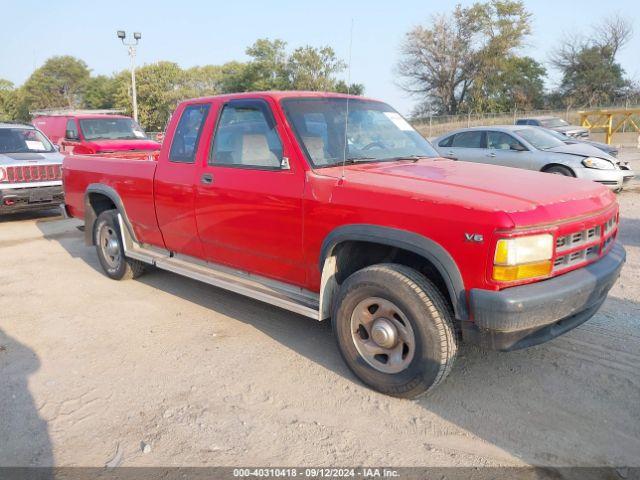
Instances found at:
x=71 y=135
x=518 y=147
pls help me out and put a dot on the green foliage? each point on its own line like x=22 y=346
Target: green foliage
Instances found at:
x=100 y=92
x=66 y=82
x=592 y=78
x=60 y=82
x=443 y=61
x=514 y=83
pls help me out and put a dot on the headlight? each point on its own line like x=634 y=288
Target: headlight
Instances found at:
x=3 y=174
x=599 y=163
x=523 y=257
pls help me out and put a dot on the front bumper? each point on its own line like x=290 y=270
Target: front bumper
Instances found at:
x=613 y=179
x=524 y=316
x=22 y=199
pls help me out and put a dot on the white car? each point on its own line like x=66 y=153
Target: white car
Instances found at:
x=30 y=170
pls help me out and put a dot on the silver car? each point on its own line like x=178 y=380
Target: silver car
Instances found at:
x=557 y=124
x=30 y=170
x=532 y=148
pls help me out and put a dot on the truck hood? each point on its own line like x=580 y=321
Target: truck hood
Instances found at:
x=583 y=150
x=528 y=197
x=10 y=159
x=123 y=145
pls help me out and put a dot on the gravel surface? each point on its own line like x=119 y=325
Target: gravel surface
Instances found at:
x=167 y=371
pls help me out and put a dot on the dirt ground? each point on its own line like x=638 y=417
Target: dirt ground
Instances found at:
x=92 y=371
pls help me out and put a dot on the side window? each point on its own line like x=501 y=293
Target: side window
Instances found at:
x=187 y=134
x=71 y=129
x=246 y=137
x=446 y=142
x=472 y=139
x=502 y=141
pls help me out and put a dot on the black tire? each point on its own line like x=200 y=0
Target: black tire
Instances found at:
x=117 y=267
x=430 y=318
x=559 y=170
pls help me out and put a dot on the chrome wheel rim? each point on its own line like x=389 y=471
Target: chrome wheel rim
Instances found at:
x=110 y=246
x=382 y=335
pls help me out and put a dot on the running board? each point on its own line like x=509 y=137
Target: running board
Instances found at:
x=260 y=288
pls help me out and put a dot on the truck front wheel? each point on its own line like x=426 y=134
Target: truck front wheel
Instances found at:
x=108 y=241
x=394 y=330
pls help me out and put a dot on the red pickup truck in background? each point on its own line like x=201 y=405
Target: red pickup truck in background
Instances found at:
x=333 y=206
x=85 y=133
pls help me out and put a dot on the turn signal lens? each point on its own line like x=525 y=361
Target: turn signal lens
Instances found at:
x=510 y=273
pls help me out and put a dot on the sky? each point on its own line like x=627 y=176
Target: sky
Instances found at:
x=198 y=32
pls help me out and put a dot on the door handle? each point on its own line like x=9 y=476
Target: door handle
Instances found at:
x=206 y=179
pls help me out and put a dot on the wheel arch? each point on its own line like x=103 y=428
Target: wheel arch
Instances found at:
x=98 y=198
x=556 y=164
x=401 y=240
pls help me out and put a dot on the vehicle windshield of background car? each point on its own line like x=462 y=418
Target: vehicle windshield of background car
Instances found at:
x=111 y=129
x=375 y=132
x=553 y=123
x=23 y=140
x=539 y=138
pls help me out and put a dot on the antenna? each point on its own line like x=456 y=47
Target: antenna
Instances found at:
x=346 y=115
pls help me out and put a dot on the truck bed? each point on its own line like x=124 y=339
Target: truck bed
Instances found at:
x=130 y=175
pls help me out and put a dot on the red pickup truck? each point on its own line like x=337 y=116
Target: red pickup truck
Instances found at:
x=333 y=206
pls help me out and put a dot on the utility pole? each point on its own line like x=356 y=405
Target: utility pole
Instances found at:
x=131 y=46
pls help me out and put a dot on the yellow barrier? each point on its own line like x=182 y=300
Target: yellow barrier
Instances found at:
x=605 y=119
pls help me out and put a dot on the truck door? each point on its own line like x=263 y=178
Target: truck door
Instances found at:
x=504 y=149
x=248 y=195
x=175 y=178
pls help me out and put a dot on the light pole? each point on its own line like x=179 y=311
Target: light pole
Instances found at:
x=131 y=46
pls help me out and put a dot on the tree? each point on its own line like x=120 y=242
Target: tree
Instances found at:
x=312 y=68
x=442 y=61
x=60 y=82
x=516 y=82
x=267 y=69
x=7 y=99
x=160 y=86
x=100 y=92
x=590 y=73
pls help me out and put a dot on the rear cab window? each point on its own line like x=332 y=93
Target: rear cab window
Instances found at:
x=187 y=134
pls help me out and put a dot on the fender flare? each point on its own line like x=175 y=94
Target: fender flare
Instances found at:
x=393 y=237
x=90 y=214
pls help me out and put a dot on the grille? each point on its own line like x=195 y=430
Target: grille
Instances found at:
x=33 y=173
x=576 y=239
x=594 y=242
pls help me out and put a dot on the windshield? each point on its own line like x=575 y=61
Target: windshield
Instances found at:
x=560 y=136
x=375 y=132
x=539 y=138
x=553 y=123
x=23 y=140
x=111 y=129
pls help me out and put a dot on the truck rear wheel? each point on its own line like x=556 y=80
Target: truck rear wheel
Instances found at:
x=394 y=330
x=108 y=241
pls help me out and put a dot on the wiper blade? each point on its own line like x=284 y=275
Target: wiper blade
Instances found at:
x=351 y=160
x=413 y=158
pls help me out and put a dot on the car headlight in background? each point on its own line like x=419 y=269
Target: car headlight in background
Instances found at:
x=598 y=163
x=523 y=257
